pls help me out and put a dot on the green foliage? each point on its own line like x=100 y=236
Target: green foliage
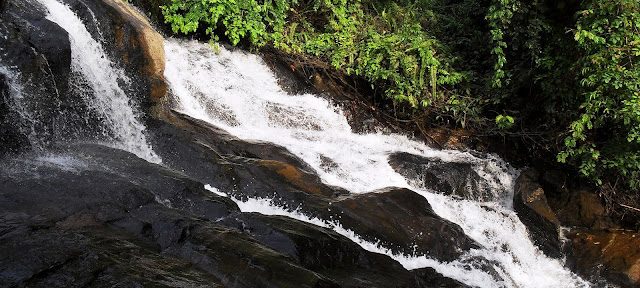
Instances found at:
x=390 y=49
x=504 y=121
x=606 y=136
x=239 y=19
x=499 y=17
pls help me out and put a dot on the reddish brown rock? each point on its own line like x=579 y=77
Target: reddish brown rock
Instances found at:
x=145 y=38
x=533 y=209
x=613 y=254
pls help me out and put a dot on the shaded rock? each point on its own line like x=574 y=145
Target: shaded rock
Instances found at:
x=11 y=137
x=614 y=255
x=450 y=139
x=91 y=258
x=533 y=210
x=240 y=168
x=403 y=221
x=431 y=278
x=449 y=178
x=584 y=209
x=575 y=205
x=35 y=60
x=328 y=253
x=94 y=215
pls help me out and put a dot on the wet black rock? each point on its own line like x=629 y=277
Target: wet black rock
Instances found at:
x=449 y=178
x=11 y=137
x=399 y=219
x=90 y=214
x=402 y=220
x=35 y=65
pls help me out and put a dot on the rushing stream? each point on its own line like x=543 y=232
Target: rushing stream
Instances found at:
x=239 y=93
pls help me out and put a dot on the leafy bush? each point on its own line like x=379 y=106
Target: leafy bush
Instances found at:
x=390 y=49
x=606 y=136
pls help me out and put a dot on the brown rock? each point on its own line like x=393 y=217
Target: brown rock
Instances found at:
x=613 y=254
x=148 y=40
x=575 y=205
x=534 y=211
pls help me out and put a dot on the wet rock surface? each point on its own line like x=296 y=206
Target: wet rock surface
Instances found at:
x=36 y=53
x=614 y=254
x=531 y=205
x=403 y=220
x=9 y=133
x=94 y=215
x=449 y=178
x=85 y=215
x=131 y=42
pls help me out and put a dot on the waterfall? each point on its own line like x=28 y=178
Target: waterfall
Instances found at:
x=27 y=121
x=107 y=96
x=239 y=93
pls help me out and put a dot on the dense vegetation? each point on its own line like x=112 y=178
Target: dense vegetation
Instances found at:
x=563 y=76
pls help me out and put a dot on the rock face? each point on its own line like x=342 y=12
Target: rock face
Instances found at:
x=258 y=170
x=94 y=215
x=531 y=205
x=10 y=135
x=449 y=178
x=575 y=205
x=35 y=65
x=399 y=218
x=614 y=254
x=131 y=42
x=593 y=249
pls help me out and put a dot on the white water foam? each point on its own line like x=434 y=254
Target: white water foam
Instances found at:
x=103 y=76
x=238 y=92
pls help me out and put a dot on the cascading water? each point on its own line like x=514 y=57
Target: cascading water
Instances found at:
x=104 y=78
x=26 y=125
x=238 y=92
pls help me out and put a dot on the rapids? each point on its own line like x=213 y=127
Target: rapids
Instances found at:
x=238 y=92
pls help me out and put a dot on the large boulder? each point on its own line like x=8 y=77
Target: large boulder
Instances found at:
x=449 y=178
x=614 y=254
x=533 y=210
x=260 y=170
x=576 y=205
x=402 y=220
x=132 y=43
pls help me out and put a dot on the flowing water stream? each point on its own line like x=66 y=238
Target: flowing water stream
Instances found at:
x=239 y=93
x=106 y=96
